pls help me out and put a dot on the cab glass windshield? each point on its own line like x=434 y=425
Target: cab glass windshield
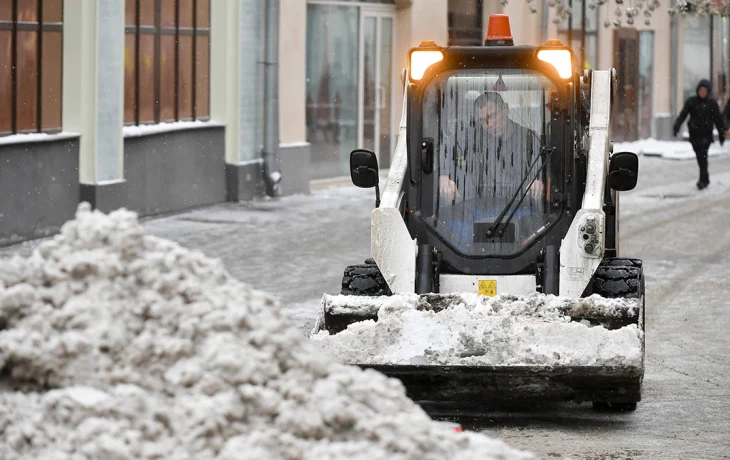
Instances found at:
x=496 y=159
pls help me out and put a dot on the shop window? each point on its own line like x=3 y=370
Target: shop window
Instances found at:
x=696 y=56
x=465 y=23
x=31 y=65
x=166 y=61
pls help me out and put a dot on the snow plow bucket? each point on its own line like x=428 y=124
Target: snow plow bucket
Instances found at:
x=450 y=349
x=448 y=387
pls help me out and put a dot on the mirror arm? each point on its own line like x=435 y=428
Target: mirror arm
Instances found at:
x=377 y=196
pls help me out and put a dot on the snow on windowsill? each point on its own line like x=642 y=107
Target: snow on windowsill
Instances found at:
x=341 y=181
x=256 y=161
x=292 y=145
x=159 y=128
x=36 y=137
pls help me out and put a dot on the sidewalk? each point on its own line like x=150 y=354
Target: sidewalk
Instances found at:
x=670 y=150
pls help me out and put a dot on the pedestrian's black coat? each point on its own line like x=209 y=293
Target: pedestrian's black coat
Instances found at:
x=703 y=114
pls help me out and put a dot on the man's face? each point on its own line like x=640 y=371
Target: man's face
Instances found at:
x=702 y=92
x=494 y=117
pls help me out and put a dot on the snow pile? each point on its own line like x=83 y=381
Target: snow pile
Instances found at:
x=467 y=329
x=118 y=345
x=672 y=150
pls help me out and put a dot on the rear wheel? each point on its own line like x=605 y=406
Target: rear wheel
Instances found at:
x=359 y=280
x=621 y=278
x=365 y=280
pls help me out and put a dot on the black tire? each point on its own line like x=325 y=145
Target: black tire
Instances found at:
x=618 y=277
x=365 y=280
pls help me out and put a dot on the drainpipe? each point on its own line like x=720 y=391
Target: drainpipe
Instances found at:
x=272 y=167
x=251 y=101
x=675 y=65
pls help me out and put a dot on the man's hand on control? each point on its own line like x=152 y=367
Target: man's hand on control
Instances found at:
x=537 y=189
x=447 y=188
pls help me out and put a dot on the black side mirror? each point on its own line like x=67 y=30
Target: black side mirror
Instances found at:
x=364 y=168
x=623 y=171
x=364 y=171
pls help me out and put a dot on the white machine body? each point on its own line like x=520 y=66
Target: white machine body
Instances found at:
x=581 y=251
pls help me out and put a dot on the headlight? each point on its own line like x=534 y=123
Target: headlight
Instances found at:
x=422 y=60
x=560 y=59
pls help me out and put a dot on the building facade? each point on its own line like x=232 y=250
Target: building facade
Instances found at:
x=163 y=105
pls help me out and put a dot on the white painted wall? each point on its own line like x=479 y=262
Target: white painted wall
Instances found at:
x=526 y=26
x=93 y=86
x=224 y=65
x=419 y=21
x=661 y=25
x=292 y=71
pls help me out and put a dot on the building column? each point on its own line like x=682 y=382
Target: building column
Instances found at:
x=294 y=151
x=93 y=96
x=235 y=47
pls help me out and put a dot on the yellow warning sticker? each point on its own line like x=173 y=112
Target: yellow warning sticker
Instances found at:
x=488 y=288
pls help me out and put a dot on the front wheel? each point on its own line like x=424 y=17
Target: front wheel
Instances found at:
x=620 y=278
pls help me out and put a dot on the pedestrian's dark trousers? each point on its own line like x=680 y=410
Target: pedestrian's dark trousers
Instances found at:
x=701 y=146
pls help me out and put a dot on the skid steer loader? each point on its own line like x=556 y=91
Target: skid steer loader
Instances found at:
x=502 y=183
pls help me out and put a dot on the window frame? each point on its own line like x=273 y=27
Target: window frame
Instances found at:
x=455 y=33
x=571 y=31
x=39 y=26
x=158 y=30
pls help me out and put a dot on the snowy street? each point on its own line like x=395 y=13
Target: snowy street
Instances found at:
x=188 y=270
x=297 y=247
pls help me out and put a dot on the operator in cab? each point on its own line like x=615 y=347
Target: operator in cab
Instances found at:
x=495 y=158
x=503 y=142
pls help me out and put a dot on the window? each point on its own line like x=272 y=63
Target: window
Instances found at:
x=696 y=46
x=465 y=23
x=571 y=32
x=31 y=65
x=721 y=57
x=166 y=61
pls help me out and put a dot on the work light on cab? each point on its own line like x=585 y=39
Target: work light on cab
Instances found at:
x=555 y=54
x=424 y=57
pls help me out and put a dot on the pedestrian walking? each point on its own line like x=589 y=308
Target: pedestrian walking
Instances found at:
x=704 y=112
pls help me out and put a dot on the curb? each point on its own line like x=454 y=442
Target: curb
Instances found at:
x=339 y=181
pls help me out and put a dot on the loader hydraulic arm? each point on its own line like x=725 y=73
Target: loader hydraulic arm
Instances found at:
x=583 y=247
x=390 y=242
